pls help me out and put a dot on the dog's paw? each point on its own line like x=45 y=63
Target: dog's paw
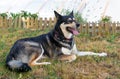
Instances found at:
x=46 y=63
x=103 y=54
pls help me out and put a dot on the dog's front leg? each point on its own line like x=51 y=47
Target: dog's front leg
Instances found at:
x=85 y=53
x=68 y=58
x=91 y=54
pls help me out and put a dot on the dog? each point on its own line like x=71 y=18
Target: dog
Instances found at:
x=58 y=44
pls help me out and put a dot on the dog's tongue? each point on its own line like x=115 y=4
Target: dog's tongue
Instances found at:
x=75 y=32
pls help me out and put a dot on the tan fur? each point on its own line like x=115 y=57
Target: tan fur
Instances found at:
x=68 y=58
x=35 y=57
x=65 y=32
x=32 y=59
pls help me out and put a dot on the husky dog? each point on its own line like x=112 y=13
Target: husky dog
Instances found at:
x=57 y=44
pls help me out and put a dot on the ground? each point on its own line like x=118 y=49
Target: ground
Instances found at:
x=87 y=67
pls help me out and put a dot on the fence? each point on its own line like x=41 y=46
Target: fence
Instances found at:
x=92 y=28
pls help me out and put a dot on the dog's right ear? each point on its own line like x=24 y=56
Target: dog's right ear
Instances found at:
x=57 y=15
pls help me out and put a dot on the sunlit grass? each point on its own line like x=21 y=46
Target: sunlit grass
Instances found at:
x=87 y=67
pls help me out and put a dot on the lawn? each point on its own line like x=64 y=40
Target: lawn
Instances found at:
x=87 y=67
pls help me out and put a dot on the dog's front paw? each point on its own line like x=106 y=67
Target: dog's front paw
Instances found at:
x=73 y=57
x=103 y=54
x=46 y=63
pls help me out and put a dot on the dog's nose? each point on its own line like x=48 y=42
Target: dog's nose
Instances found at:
x=77 y=24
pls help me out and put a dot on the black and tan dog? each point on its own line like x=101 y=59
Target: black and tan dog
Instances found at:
x=58 y=43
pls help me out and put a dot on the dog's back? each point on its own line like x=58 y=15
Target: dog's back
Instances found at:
x=25 y=51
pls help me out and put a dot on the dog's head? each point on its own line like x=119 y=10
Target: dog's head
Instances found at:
x=67 y=25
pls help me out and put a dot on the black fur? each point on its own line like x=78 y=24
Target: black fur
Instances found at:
x=51 y=42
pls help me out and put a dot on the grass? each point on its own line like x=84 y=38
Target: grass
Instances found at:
x=87 y=67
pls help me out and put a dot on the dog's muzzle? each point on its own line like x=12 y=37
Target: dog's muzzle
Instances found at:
x=77 y=25
x=73 y=30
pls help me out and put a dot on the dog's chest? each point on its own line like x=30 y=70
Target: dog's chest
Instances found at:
x=66 y=51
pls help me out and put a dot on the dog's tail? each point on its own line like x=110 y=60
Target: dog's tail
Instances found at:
x=16 y=65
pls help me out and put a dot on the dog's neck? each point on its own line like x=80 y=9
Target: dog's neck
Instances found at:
x=68 y=43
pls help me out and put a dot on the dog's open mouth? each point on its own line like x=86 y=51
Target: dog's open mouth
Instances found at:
x=73 y=30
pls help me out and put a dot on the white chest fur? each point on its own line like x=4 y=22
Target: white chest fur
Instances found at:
x=67 y=51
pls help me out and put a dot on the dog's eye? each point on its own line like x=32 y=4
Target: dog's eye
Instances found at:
x=70 y=21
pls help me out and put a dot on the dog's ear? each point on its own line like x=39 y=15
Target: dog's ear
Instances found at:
x=71 y=13
x=57 y=15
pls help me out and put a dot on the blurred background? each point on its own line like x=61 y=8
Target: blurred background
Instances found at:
x=91 y=10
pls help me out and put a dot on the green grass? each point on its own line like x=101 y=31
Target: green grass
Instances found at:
x=87 y=67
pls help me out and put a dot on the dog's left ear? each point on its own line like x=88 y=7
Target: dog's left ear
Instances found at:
x=57 y=15
x=71 y=13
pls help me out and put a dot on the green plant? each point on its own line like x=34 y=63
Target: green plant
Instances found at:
x=4 y=15
x=14 y=15
x=106 y=19
x=111 y=38
x=77 y=15
x=26 y=14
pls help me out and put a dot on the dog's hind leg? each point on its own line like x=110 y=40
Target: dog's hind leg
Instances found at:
x=35 y=61
x=35 y=58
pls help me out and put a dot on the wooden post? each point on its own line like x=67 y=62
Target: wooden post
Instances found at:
x=103 y=28
x=100 y=29
x=30 y=22
x=5 y=23
x=45 y=23
x=96 y=29
x=89 y=29
x=1 y=21
x=50 y=23
x=15 y=22
x=54 y=21
x=10 y=22
x=19 y=21
x=81 y=27
x=118 y=27
x=93 y=29
x=107 y=28
x=36 y=23
x=27 y=22
x=40 y=23
x=86 y=27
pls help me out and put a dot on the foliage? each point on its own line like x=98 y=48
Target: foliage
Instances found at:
x=14 y=15
x=106 y=19
x=4 y=15
x=77 y=15
x=24 y=14
x=28 y=14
